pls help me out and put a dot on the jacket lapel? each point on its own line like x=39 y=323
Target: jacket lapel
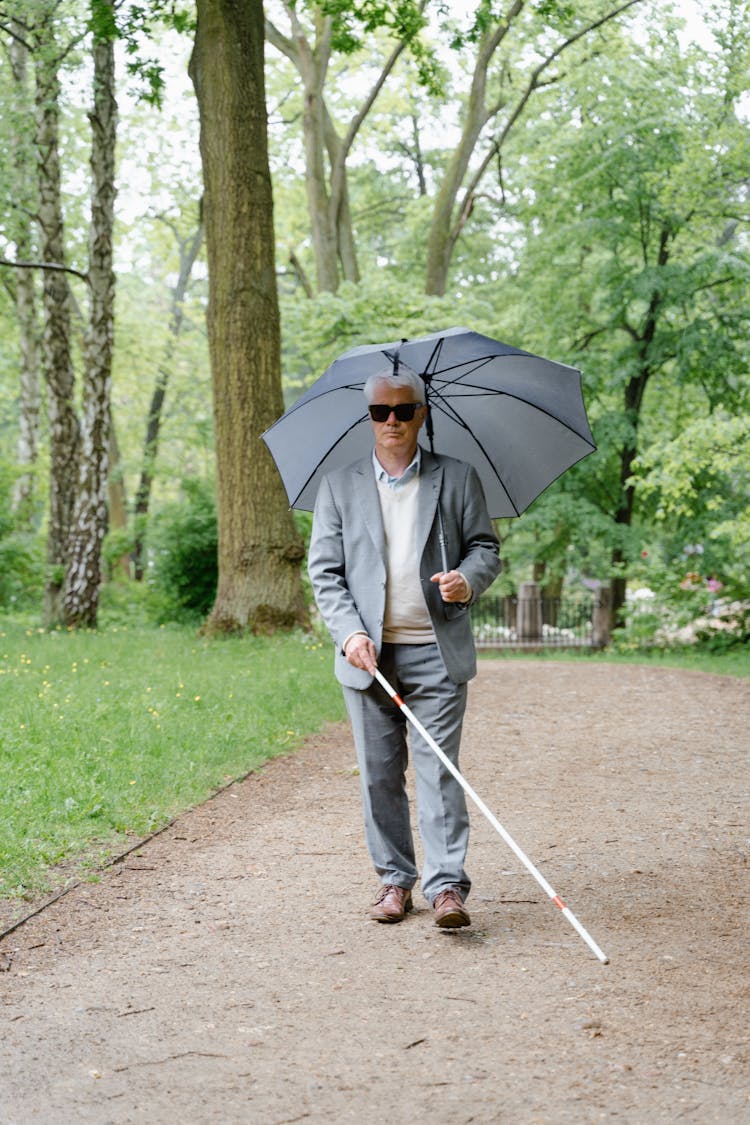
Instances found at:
x=366 y=500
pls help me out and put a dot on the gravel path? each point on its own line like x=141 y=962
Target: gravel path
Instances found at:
x=227 y=972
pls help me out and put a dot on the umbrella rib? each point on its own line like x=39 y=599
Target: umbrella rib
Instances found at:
x=328 y=453
x=433 y=356
x=489 y=393
x=302 y=401
x=475 y=366
x=449 y=411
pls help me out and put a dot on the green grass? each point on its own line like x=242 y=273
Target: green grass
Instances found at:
x=107 y=735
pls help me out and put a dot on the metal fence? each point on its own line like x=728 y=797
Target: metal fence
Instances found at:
x=532 y=621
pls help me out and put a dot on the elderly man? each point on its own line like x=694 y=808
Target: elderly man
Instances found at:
x=375 y=562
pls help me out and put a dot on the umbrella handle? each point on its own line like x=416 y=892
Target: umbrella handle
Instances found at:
x=441 y=537
x=493 y=820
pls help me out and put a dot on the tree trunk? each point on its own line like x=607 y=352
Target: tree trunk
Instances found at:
x=84 y=573
x=189 y=250
x=56 y=299
x=117 y=506
x=321 y=208
x=260 y=551
x=25 y=289
x=624 y=514
x=340 y=211
x=442 y=237
x=635 y=389
x=326 y=152
x=24 y=493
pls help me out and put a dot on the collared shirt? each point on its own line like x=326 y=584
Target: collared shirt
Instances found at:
x=395 y=483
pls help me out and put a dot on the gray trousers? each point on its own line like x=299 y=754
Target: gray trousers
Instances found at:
x=418 y=675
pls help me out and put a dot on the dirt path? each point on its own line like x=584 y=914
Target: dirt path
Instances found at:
x=227 y=972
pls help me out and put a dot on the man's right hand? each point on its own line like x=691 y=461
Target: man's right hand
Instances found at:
x=360 y=651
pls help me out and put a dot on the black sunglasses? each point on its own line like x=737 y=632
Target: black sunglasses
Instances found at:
x=404 y=411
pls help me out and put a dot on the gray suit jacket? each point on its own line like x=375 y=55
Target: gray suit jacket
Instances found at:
x=346 y=561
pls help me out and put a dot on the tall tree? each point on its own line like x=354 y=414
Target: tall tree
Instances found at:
x=89 y=523
x=260 y=551
x=310 y=47
x=24 y=195
x=59 y=371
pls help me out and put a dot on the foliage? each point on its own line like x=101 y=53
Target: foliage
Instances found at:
x=145 y=349
x=21 y=551
x=698 y=486
x=21 y=570
x=137 y=25
x=404 y=20
x=634 y=268
x=111 y=734
x=382 y=307
x=726 y=636
x=181 y=545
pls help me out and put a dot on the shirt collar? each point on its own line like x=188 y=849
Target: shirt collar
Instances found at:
x=395 y=483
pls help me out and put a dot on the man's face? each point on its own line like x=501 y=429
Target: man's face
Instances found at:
x=394 y=438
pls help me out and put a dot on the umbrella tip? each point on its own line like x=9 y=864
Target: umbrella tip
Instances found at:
x=404 y=340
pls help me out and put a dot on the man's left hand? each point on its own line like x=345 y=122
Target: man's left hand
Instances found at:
x=453 y=586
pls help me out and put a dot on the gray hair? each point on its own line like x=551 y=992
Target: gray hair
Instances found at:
x=406 y=378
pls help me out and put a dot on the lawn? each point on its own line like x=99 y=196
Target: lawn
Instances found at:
x=107 y=735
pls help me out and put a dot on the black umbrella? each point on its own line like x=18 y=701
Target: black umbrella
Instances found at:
x=517 y=418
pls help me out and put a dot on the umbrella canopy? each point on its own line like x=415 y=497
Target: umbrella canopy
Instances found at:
x=518 y=419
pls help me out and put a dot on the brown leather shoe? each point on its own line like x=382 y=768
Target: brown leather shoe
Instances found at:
x=450 y=912
x=391 y=904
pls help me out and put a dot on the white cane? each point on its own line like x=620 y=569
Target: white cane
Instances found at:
x=493 y=820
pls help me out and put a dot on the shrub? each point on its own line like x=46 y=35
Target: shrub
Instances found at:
x=21 y=552
x=182 y=550
x=21 y=571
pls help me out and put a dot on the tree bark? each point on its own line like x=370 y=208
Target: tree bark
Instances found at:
x=84 y=572
x=442 y=238
x=56 y=345
x=30 y=399
x=25 y=288
x=259 y=585
x=312 y=64
x=635 y=388
x=326 y=152
x=117 y=505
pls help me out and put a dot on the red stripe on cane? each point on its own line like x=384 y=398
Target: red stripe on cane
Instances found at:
x=559 y=902
x=398 y=700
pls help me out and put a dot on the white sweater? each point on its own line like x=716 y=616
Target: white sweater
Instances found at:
x=406 y=618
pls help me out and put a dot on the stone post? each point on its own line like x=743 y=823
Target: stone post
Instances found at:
x=529 y=622
x=601 y=632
